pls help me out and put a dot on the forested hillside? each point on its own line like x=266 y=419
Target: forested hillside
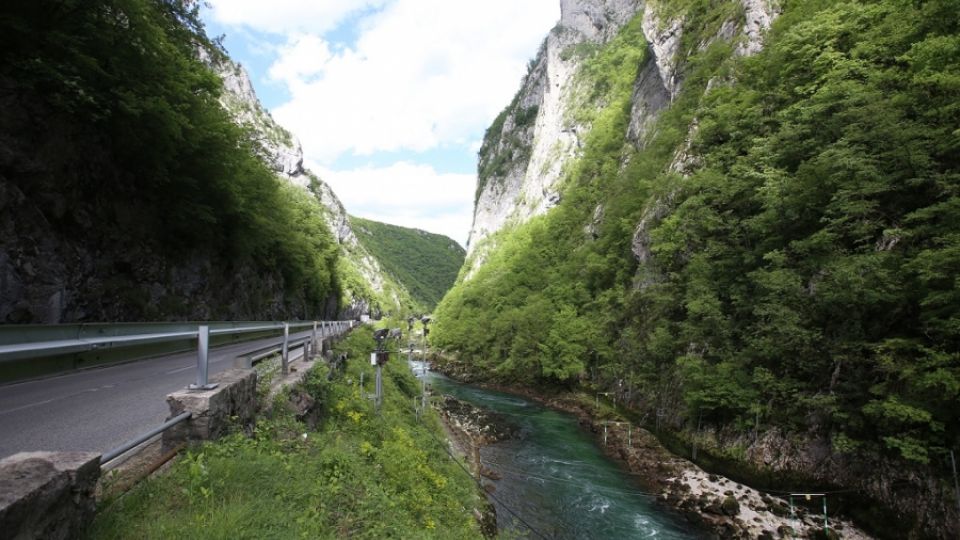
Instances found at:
x=141 y=178
x=126 y=191
x=770 y=267
x=425 y=263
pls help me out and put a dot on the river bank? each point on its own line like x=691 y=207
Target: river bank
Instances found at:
x=726 y=508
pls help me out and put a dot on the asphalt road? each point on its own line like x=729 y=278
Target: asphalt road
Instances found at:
x=99 y=409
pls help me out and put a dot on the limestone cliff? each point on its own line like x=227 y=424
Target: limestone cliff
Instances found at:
x=126 y=194
x=370 y=290
x=528 y=149
x=645 y=240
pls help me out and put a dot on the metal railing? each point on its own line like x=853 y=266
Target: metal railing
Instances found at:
x=37 y=341
x=321 y=330
x=142 y=438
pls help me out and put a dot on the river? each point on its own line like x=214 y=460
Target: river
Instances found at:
x=556 y=478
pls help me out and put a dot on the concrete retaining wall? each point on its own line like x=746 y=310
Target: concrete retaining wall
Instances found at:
x=233 y=403
x=47 y=495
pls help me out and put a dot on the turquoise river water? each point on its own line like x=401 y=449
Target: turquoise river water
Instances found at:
x=556 y=478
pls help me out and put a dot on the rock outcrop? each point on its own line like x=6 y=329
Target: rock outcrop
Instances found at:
x=528 y=149
x=283 y=152
x=522 y=158
x=47 y=494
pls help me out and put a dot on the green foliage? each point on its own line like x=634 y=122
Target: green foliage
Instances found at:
x=138 y=142
x=522 y=314
x=362 y=475
x=806 y=271
x=426 y=264
x=502 y=149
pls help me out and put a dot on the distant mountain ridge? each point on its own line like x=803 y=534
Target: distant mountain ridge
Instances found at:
x=366 y=289
x=426 y=264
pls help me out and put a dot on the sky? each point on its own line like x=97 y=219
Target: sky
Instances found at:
x=389 y=98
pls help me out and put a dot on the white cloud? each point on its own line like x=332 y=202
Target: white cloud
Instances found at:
x=416 y=75
x=304 y=61
x=407 y=194
x=280 y=16
x=422 y=74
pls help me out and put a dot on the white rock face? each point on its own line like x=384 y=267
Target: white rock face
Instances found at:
x=529 y=186
x=760 y=15
x=282 y=151
x=529 y=157
x=663 y=38
x=597 y=21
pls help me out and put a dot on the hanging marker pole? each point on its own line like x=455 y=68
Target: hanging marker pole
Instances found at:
x=379 y=387
x=285 y=350
x=956 y=484
x=826 y=524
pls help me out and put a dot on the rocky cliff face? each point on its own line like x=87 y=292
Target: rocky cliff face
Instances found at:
x=282 y=150
x=526 y=151
x=523 y=154
x=529 y=153
x=67 y=255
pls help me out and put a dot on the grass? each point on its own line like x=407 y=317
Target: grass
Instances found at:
x=360 y=475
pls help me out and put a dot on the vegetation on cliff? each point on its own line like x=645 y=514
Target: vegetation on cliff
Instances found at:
x=804 y=273
x=426 y=264
x=112 y=132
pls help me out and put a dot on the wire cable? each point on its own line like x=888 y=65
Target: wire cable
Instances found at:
x=480 y=485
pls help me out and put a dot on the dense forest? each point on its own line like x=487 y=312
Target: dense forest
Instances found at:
x=797 y=259
x=425 y=263
x=129 y=192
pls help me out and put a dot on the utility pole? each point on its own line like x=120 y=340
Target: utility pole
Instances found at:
x=378 y=358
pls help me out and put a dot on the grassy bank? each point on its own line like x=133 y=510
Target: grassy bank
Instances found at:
x=359 y=475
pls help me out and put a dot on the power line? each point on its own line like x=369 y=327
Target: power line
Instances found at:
x=480 y=485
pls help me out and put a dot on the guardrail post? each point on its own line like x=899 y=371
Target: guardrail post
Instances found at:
x=203 y=364
x=285 y=354
x=313 y=343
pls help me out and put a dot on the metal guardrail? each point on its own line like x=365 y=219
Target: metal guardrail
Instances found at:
x=321 y=330
x=34 y=341
x=142 y=438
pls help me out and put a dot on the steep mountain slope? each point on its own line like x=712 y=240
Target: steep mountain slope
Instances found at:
x=366 y=288
x=126 y=191
x=141 y=179
x=425 y=263
x=740 y=218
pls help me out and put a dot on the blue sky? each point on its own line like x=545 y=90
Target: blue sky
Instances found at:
x=390 y=98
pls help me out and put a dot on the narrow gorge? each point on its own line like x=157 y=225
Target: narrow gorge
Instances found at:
x=709 y=286
x=732 y=219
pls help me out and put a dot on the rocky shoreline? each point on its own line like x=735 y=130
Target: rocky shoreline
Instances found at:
x=468 y=429
x=726 y=508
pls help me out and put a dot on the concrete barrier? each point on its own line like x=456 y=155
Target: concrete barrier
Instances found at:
x=233 y=402
x=47 y=495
